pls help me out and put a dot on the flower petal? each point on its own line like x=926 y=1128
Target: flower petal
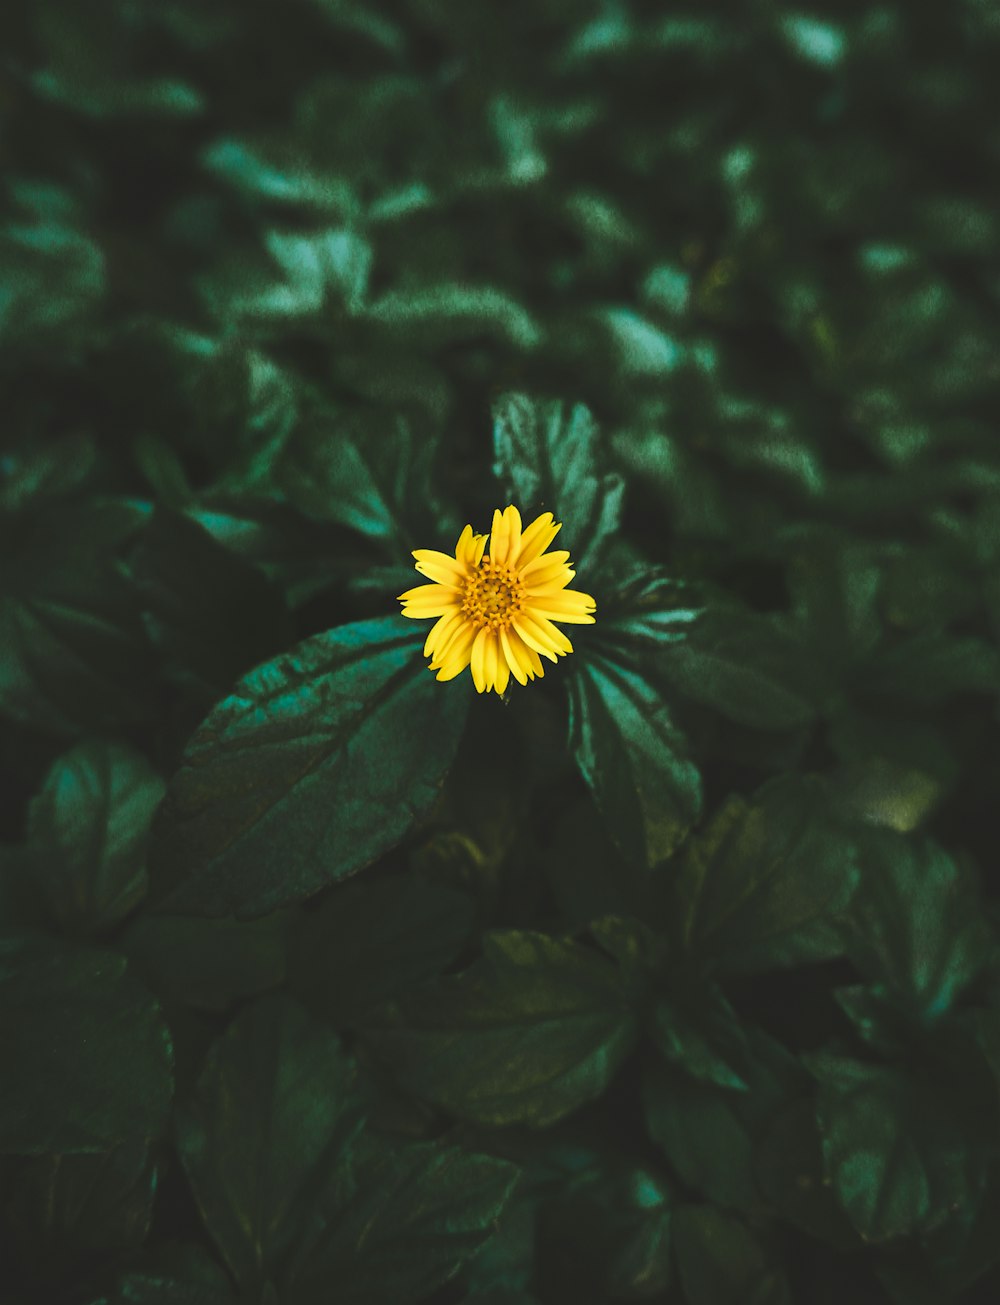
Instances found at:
x=439 y=566
x=491 y=658
x=442 y=633
x=536 y=539
x=533 y=636
x=516 y=655
x=477 y=660
x=456 y=658
x=530 y=572
x=469 y=549
x=502 y=676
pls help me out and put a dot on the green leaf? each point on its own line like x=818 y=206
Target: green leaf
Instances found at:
x=88 y=829
x=894 y=1147
x=210 y=615
x=749 y=668
x=527 y=1034
x=152 y=1289
x=72 y=650
x=916 y=924
x=274 y=1103
x=371 y=940
x=549 y=457
x=393 y=1226
x=88 y=1057
x=721 y=1262
x=697 y=1030
x=53 y=277
x=632 y=758
x=709 y=1133
x=207 y=963
x=319 y=762
x=766 y=883
x=63 y=1209
x=450 y=312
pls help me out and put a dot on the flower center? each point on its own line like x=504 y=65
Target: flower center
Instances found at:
x=493 y=594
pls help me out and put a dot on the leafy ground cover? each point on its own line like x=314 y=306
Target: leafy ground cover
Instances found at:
x=670 y=976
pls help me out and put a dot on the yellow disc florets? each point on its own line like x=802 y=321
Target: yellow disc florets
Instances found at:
x=493 y=594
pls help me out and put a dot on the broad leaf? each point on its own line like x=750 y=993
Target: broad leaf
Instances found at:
x=767 y=882
x=88 y=829
x=274 y=1103
x=88 y=1058
x=393 y=1226
x=527 y=1034
x=632 y=758
x=318 y=762
x=721 y=1262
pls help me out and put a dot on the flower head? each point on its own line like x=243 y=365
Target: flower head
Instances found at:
x=496 y=612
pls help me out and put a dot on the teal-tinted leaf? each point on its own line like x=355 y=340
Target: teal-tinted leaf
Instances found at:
x=766 y=883
x=51 y=276
x=210 y=615
x=392 y=1226
x=527 y=1034
x=749 y=668
x=646 y=610
x=372 y=940
x=151 y=1289
x=319 y=762
x=449 y=312
x=549 y=457
x=88 y=829
x=256 y=171
x=63 y=1209
x=642 y=348
x=88 y=1059
x=894 y=1148
x=915 y=924
x=273 y=1105
x=207 y=963
x=72 y=649
x=698 y=1031
x=707 y=1132
x=931 y=667
x=721 y=1262
x=32 y=473
x=632 y=758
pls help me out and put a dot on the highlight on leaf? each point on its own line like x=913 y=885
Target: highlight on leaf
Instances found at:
x=497 y=612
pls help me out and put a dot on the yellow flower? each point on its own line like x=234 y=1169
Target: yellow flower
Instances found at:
x=496 y=613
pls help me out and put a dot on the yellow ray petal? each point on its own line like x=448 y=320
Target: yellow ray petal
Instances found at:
x=491 y=658
x=439 y=566
x=533 y=636
x=477 y=660
x=434 y=591
x=536 y=539
x=442 y=632
x=515 y=655
x=456 y=658
x=503 y=675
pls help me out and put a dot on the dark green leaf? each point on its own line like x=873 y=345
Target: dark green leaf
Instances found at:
x=894 y=1148
x=88 y=829
x=210 y=615
x=374 y=939
x=319 y=762
x=766 y=883
x=442 y=314
x=632 y=758
x=393 y=1226
x=527 y=1034
x=721 y=1262
x=549 y=458
x=274 y=1103
x=749 y=668
x=698 y=1031
x=915 y=923
x=88 y=1057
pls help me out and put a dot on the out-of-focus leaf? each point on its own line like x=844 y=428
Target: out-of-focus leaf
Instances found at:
x=527 y=1034
x=721 y=1262
x=449 y=312
x=72 y=649
x=699 y=1032
x=52 y=275
x=894 y=1147
x=88 y=1057
x=549 y=457
x=373 y=940
x=767 y=882
x=210 y=615
x=393 y=1226
x=915 y=923
x=320 y=761
x=632 y=758
x=88 y=829
x=274 y=1103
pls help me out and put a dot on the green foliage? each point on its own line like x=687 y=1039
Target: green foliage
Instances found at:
x=673 y=976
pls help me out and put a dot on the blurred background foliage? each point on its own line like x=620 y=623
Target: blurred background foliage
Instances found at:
x=704 y=1004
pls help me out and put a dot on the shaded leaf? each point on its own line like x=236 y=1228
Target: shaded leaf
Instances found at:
x=527 y=1034
x=721 y=1262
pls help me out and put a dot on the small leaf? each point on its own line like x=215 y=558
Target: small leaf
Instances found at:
x=527 y=1034
x=632 y=758
x=275 y=1101
x=549 y=457
x=88 y=829
x=767 y=882
x=451 y=311
x=318 y=762
x=393 y=1226
x=88 y=1057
